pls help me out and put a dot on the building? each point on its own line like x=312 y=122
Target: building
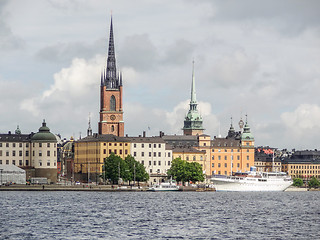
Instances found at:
x=190 y=154
x=35 y=153
x=111 y=110
x=266 y=160
x=44 y=153
x=91 y=151
x=193 y=120
x=154 y=154
x=67 y=160
x=11 y=174
x=302 y=164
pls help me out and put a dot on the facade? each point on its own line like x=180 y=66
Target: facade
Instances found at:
x=35 y=153
x=90 y=152
x=302 y=164
x=193 y=120
x=67 y=160
x=154 y=154
x=190 y=154
x=111 y=110
x=266 y=161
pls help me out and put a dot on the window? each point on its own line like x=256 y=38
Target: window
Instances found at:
x=109 y=151
x=134 y=154
x=104 y=144
x=27 y=144
x=159 y=154
x=168 y=163
x=126 y=151
x=219 y=157
x=194 y=158
x=0 y=162
x=134 y=145
x=149 y=154
x=40 y=163
x=14 y=145
x=154 y=163
x=225 y=157
x=20 y=162
x=247 y=165
x=201 y=158
x=142 y=145
x=7 y=153
x=151 y=172
x=159 y=163
x=159 y=145
x=0 y=144
x=154 y=145
x=212 y=150
x=149 y=163
x=120 y=151
x=225 y=150
x=219 y=165
x=238 y=157
x=40 y=144
x=109 y=144
x=7 y=144
x=115 y=151
x=212 y=157
x=247 y=150
x=48 y=163
x=225 y=165
x=247 y=157
x=187 y=158
x=48 y=153
x=20 y=153
x=104 y=151
x=13 y=153
x=0 y=152
x=154 y=154
x=40 y=153
x=219 y=172
x=48 y=145
x=7 y=162
x=169 y=155
x=204 y=144
x=149 y=145
x=112 y=103
x=212 y=165
x=231 y=150
x=120 y=144
x=14 y=162
x=225 y=172
x=142 y=154
x=247 y=144
x=27 y=162
x=115 y=144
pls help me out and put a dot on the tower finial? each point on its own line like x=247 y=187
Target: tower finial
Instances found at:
x=89 y=131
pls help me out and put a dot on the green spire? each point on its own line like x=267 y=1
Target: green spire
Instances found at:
x=247 y=135
x=193 y=87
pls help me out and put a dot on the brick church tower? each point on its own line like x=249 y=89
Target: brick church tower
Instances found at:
x=111 y=111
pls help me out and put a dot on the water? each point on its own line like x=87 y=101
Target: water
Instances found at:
x=164 y=215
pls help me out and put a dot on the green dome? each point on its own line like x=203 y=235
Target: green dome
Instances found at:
x=44 y=134
x=247 y=135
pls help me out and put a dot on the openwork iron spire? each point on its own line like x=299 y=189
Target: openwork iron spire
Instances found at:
x=109 y=77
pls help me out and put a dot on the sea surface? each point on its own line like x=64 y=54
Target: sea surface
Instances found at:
x=164 y=215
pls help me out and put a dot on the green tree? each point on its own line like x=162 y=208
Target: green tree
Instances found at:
x=184 y=171
x=136 y=170
x=114 y=168
x=313 y=183
x=298 y=182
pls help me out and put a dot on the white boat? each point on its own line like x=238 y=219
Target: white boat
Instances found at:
x=165 y=186
x=252 y=182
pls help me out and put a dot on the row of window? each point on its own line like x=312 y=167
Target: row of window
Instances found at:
x=226 y=165
x=14 y=162
x=150 y=154
x=27 y=145
x=306 y=172
x=193 y=158
x=115 y=151
x=155 y=163
x=150 y=145
x=305 y=167
x=115 y=144
x=14 y=153
x=48 y=163
x=226 y=150
x=226 y=158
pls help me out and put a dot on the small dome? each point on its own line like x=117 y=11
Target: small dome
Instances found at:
x=44 y=134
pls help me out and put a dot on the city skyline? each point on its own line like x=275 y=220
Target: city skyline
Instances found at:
x=259 y=59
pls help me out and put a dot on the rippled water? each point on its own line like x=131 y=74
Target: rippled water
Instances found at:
x=150 y=215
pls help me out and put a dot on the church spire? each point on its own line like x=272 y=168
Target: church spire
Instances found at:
x=110 y=79
x=193 y=86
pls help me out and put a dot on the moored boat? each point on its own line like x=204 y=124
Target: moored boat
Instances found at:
x=252 y=182
x=165 y=186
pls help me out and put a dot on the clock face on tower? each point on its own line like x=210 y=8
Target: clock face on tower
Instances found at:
x=113 y=117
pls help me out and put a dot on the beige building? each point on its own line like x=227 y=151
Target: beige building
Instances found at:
x=153 y=153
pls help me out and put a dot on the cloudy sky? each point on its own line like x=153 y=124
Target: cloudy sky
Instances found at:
x=260 y=58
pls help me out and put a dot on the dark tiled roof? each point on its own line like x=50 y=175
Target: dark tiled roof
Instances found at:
x=103 y=138
x=15 y=137
x=186 y=150
x=145 y=139
x=224 y=142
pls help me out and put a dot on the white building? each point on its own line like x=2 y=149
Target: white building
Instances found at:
x=153 y=153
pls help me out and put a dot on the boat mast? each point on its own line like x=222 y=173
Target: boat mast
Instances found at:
x=273 y=160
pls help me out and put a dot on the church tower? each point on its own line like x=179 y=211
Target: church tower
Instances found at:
x=111 y=111
x=193 y=120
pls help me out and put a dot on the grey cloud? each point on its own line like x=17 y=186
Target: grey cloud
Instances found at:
x=180 y=52
x=65 y=52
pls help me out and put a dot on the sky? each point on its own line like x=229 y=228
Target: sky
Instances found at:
x=254 y=58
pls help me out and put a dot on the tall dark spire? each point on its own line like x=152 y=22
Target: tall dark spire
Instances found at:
x=110 y=79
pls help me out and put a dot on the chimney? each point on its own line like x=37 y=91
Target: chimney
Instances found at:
x=144 y=134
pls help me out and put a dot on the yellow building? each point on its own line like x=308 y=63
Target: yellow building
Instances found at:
x=90 y=152
x=303 y=164
x=190 y=154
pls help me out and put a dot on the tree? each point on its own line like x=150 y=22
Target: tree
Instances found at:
x=136 y=170
x=115 y=168
x=184 y=171
x=313 y=183
x=298 y=182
